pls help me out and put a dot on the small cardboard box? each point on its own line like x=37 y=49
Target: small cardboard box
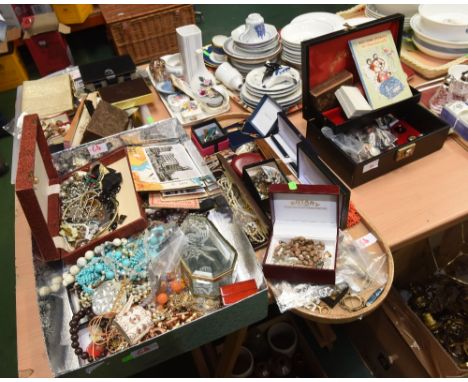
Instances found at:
x=38 y=187
x=308 y=211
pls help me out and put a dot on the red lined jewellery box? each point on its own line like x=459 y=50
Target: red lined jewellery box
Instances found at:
x=310 y=211
x=38 y=187
x=325 y=57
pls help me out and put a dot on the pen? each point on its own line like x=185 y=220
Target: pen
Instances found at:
x=280 y=148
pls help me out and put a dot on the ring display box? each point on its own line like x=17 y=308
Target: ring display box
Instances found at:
x=38 y=188
x=420 y=132
x=209 y=137
x=258 y=177
x=304 y=239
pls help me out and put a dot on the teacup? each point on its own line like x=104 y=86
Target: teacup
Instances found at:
x=218 y=54
x=229 y=76
x=254 y=29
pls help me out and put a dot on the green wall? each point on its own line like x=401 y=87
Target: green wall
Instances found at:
x=222 y=19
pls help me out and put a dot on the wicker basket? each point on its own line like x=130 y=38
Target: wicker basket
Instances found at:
x=152 y=35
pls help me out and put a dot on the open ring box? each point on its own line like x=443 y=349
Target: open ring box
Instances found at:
x=308 y=211
x=329 y=55
x=38 y=187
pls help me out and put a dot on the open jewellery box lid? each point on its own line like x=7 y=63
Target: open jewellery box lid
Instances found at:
x=311 y=170
x=326 y=56
x=38 y=187
x=311 y=211
x=264 y=119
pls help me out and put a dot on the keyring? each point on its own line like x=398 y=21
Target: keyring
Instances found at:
x=352 y=302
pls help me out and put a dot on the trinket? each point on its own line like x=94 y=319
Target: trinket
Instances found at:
x=300 y=251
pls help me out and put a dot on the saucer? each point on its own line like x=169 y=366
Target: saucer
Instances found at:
x=165 y=87
x=233 y=51
x=254 y=80
x=270 y=34
x=209 y=59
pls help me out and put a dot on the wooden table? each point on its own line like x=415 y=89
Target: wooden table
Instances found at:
x=403 y=206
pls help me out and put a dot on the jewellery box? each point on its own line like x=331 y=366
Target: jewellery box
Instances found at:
x=38 y=187
x=261 y=123
x=259 y=176
x=127 y=94
x=114 y=70
x=328 y=55
x=209 y=137
x=312 y=170
x=307 y=212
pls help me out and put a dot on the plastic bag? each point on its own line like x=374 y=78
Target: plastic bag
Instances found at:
x=355 y=266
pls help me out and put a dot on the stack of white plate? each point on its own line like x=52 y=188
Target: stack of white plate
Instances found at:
x=246 y=56
x=429 y=41
x=305 y=27
x=378 y=11
x=286 y=93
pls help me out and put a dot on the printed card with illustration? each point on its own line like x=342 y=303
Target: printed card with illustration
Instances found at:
x=163 y=167
x=379 y=68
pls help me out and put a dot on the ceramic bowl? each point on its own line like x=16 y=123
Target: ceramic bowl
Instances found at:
x=442 y=42
x=445 y=21
x=389 y=9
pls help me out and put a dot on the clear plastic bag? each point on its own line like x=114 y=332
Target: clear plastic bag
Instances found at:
x=362 y=143
x=355 y=266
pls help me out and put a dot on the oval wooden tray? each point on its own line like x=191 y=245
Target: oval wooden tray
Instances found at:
x=338 y=315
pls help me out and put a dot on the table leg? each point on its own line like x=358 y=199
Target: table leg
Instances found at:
x=231 y=348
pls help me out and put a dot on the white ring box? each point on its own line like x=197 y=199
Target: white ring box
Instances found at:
x=352 y=101
x=311 y=211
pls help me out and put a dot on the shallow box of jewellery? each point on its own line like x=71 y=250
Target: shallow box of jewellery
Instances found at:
x=304 y=239
x=38 y=188
x=259 y=176
x=312 y=170
x=149 y=352
x=415 y=133
x=96 y=75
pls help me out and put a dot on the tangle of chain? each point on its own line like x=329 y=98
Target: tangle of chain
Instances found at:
x=254 y=231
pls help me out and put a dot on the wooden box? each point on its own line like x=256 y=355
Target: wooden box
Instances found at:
x=328 y=55
x=38 y=187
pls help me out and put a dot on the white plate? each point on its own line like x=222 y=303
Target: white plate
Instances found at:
x=359 y=20
x=297 y=32
x=425 y=35
x=438 y=52
x=254 y=79
x=270 y=34
x=282 y=101
x=276 y=93
x=331 y=18
x=232 y=50
x=259 y=50
x=293 y=59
